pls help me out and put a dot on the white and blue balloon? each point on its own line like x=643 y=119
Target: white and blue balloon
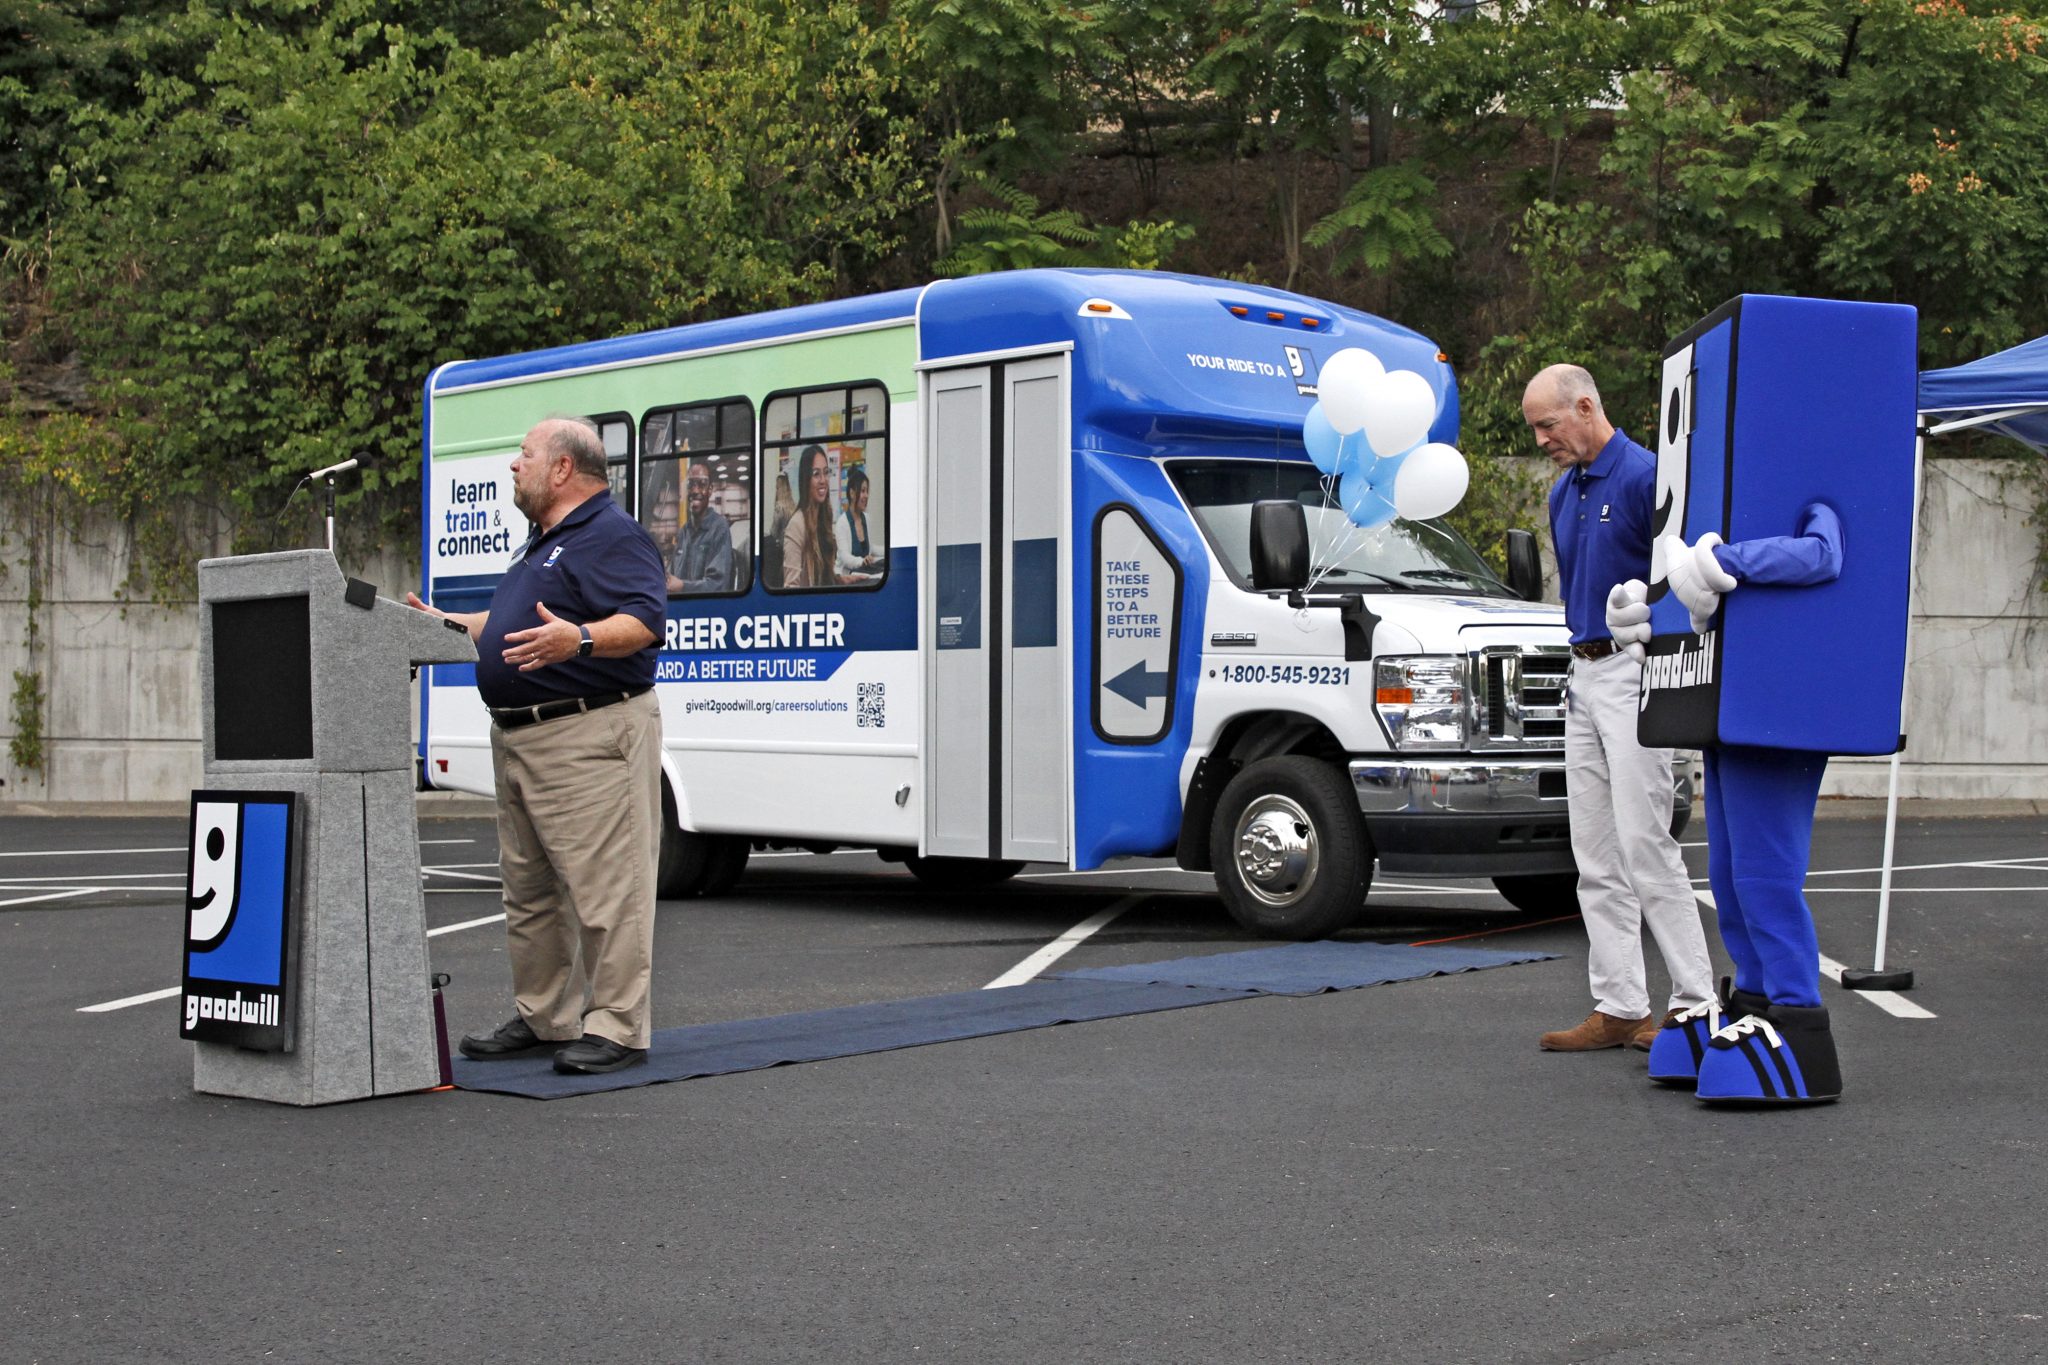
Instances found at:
x=1368 y=428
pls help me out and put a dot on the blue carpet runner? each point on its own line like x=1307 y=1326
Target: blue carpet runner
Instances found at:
x=734 y=1045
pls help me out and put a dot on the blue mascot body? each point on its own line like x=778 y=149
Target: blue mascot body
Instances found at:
x=1773 y=633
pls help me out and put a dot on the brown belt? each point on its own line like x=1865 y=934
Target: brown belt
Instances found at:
x=1593 y=649
x=512 y=717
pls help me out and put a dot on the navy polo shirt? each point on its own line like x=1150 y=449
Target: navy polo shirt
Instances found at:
x=594 y=563
x=1600 y=523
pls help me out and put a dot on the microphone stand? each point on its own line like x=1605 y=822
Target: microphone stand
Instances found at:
x=330 y=514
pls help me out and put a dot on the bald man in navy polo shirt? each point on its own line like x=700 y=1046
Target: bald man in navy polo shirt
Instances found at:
x=1630 y=871
x=565 y=662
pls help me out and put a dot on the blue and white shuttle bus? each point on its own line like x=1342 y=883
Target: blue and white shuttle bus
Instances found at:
x=968 y=574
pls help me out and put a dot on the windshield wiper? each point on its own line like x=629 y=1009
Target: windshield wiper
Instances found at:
x=1341 y=572
x=1458 y=574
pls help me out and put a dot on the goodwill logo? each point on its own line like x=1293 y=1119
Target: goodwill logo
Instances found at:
x=237 y=920
x=1691 y=666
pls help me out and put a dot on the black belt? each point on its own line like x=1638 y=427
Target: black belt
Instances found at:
x=1594 y=649
x=512 y=717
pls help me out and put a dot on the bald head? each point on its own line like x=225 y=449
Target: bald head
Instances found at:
x=560 y=465
x=574 y=440
x=1562 y=407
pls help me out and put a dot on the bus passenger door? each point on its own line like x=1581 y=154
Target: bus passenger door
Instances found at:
x=997 y=641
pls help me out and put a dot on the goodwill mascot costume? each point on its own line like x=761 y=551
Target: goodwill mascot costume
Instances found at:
x=1772 y=634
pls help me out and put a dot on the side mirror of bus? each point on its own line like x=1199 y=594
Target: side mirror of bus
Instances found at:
x=1525 y=566
x=1279 y=546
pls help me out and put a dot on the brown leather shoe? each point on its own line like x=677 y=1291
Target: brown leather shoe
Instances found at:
x=1597 y=1032
x=1648 y=1033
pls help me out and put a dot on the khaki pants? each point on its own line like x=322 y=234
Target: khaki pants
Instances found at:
x=1630 y=871
x=579 y=830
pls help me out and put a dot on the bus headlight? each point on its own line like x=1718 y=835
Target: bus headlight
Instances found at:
x=1421 y=700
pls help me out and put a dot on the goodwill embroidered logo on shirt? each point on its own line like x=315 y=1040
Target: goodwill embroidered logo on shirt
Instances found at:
x=553 y=555
x=1604 y=507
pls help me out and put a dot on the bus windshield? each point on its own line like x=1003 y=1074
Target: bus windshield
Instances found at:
x=1404 y=556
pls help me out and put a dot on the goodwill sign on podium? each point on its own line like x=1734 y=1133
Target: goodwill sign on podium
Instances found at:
x=305 y=966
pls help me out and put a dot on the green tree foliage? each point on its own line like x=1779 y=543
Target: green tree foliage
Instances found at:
x=1301 y=74
x=288 y=240
x=1001 y=81
x=1385 y=218
x=1876 y=149
x=1879 y=149
x=64 y=66
x=1011 y=232
x=734 y=157
x=237 y=233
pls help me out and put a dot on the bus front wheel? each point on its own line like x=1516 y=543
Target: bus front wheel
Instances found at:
x=1290 y=850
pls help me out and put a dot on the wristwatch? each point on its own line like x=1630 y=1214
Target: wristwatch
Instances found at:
x=583 y=650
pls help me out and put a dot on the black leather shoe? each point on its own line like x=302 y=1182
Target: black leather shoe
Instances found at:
x=512 y=1039
x=592 y=1055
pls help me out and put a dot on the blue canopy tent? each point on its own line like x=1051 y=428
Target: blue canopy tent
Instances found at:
x=2006 y=393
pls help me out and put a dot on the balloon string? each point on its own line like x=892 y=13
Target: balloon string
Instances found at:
x=1321 y=567
x=1337 y=553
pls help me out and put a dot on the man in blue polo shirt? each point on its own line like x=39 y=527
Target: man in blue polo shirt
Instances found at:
x=565 y=662
x=1630 y=871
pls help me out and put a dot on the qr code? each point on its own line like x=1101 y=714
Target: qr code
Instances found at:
x=874 y=705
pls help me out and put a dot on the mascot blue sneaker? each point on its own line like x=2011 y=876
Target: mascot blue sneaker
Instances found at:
x=1681 y=1045
x=1785 y=1056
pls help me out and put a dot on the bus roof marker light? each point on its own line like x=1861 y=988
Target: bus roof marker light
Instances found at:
x=1276 y=317
x=1103 y=308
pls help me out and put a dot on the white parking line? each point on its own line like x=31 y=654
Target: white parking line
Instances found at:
x=87 y=852
x=1061 y=946
x=1891 y=1002
x=459 y=876
x=123 y=1003
x=498 y=918
x=51 y=896
x=20 y=883
x=1915 y=890
x=2015 y=863
x=169 y=991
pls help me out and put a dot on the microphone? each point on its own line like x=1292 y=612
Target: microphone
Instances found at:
x=341 y=468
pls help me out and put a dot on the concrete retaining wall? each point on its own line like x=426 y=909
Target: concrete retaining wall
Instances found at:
x=123 y=679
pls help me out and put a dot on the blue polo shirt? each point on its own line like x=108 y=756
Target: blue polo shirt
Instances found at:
x=594 y=563
x=1600 y=523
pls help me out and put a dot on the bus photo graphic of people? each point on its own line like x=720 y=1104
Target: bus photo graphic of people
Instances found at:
x=1002 y=582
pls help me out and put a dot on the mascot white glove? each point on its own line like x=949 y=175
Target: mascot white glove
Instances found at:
x=1696 y=576
x=1628 y=617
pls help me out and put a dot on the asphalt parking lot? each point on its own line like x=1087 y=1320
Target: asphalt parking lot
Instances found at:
x=1394 y=1173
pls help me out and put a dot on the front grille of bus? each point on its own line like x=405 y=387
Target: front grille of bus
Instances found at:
x=1518 y=696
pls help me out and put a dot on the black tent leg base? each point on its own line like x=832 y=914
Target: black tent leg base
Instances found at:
x=1871 y=979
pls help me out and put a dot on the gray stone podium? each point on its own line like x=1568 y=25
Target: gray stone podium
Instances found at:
x=304 y=679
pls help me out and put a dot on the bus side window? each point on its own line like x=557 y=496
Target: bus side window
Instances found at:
x=828 y=452
x=697 y=494
x=615 y=429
